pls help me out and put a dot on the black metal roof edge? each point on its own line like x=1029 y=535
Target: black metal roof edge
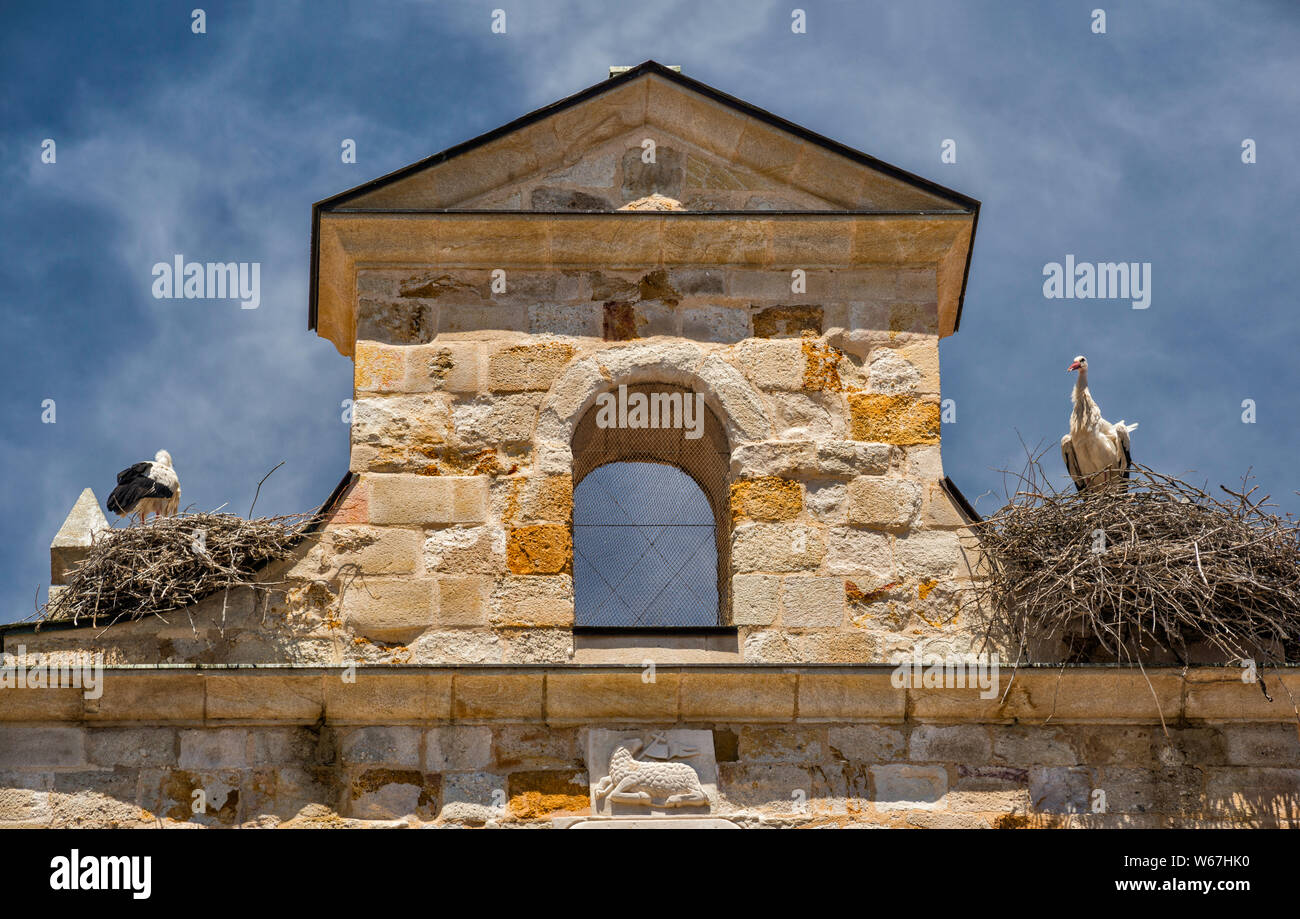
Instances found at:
x=331 y=503
x=646 y=67
x=967 y=509
x=965 y=275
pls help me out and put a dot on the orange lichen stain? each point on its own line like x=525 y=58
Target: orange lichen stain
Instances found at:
x=902 y=419
x=821 y=365
x=544 y=794
x=766 y=497
x=923 y=589
x=1011 y=822
x=542 y=498
x=545 y=548
x=858 y=596
x=454 y=462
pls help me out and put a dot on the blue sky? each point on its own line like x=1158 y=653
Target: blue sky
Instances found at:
x=1123 y=146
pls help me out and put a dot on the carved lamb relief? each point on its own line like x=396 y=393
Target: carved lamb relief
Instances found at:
x=666 y=771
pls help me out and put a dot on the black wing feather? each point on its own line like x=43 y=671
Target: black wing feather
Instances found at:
x=133 y=486
x=139 y=469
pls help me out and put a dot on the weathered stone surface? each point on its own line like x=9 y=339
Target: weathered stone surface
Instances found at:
x=532 y=601
x=934 y=554
x=766 y=498
x=462 y=601
x=867 y=743
x=897 y=419
x=396 y=745
x=463 y=549
x=776 y=547
x=860 y=552
x=663 y=176
x=539 y=549
x=376 y=550
x=451 y=366
x=883 y=503
x=755 y=599
x=517 y=368
x=773 y=458
x=907 y=787
x=379 y=367
x=495 y=422
x=390 y=608
x=535 y=795
x=812 y=602
x=418 y=500
x=848 y=458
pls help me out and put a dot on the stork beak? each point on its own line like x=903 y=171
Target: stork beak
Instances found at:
x=1074 y=366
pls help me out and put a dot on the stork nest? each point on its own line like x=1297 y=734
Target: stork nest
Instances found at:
x=171 y=563
x=1126 y=574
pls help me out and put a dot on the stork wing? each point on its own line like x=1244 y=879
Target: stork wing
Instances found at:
x=135 y=472
x=1072 y=463
x=1121 y=434
x=132 y=489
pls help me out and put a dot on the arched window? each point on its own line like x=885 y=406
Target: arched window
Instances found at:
x=650 y=511
x=644 y=550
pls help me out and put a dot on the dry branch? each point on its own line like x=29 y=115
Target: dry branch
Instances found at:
x=1162 y=566
x=171 y=563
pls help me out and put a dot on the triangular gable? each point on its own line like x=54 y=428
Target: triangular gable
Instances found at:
x=710 y=146
x=714 y=153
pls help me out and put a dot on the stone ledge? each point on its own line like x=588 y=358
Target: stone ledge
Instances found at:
x=575 y=694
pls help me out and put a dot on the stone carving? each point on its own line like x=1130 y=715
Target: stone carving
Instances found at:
x=652 y=772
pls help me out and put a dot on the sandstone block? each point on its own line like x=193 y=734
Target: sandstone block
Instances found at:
x=776 y=547
x=894 y=419
x=883 y=503
x=462 y=600
x=379 y=367
x=390 y=608
x=773 y=458
x=907 y=787
x=755 y=599
x=540 y=549
x=415 y=500
x=848 y=458
x=811 y=602
x=766 y=498
x=451 y=366
x=518 y=368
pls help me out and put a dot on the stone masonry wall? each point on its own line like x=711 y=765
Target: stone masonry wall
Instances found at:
x=455 y=545
x=804 y=748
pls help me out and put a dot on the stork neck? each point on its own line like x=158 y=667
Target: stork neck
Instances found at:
x=1081 y=386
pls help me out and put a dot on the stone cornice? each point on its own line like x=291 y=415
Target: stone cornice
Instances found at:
x=578 y=694
x=559 y=241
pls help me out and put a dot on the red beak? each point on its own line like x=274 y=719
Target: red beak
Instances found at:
x=1074 y=366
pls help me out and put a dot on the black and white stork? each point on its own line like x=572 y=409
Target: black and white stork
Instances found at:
x=1095 y=451
x=147 y=488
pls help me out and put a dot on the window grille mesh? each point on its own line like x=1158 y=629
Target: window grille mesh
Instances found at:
x=650 y=523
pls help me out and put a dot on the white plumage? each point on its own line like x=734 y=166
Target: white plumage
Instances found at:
x=147 y=488
x=1095 y=451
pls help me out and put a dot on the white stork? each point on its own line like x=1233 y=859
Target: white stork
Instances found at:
x=1095 y=451
x=147 y=488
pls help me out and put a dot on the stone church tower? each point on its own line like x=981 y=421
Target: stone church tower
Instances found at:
x=645 y=503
